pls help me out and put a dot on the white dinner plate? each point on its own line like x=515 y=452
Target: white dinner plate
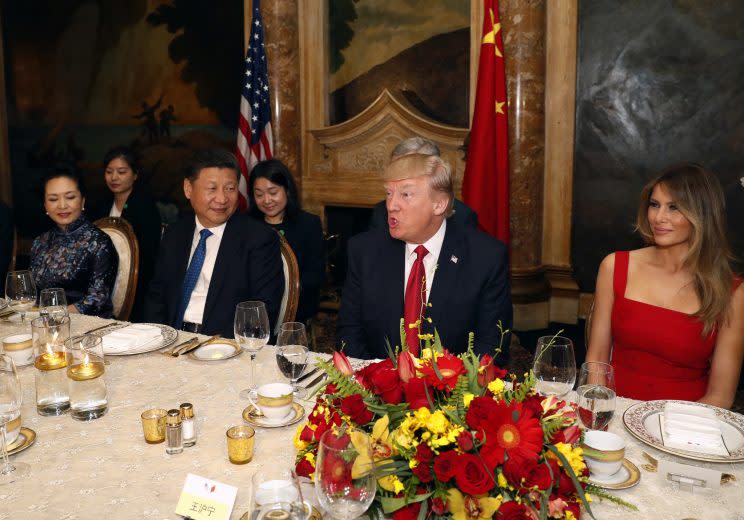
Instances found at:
x=168 y=337
x=216 y=350
x=642 y=421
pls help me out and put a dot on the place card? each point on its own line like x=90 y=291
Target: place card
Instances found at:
x=204 y=499
x=689 y=478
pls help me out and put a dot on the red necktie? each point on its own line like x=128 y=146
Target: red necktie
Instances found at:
x=415 y=299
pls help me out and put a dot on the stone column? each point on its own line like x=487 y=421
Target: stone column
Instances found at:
x=281 y=24
x=523 y=23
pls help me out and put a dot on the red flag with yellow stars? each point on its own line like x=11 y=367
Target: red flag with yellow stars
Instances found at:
x=485 y=186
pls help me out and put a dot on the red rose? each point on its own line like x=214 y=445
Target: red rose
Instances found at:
x=424 y=453
x=387 y=385
x=364 y=376
x=356 y=409
x=465 y=441
x=305 y=468
x=513 y=511
x=331 y=389
x=438 y=506
x=444 y=465
x=415 y=391
x=423 y=472
x=533 y=404
x=472 y=476
x=307 y=434
x=480 y=409
x=409 y=512
x=525 y=474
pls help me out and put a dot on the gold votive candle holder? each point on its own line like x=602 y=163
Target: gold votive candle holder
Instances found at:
x=153 y=425
x=240 y=440
x=48 y=337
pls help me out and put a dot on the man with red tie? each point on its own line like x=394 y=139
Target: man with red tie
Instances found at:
x=425 y=269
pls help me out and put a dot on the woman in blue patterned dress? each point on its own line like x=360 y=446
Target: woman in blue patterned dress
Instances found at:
x=74 y=255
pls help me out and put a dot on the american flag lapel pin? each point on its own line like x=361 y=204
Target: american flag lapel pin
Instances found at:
x=453 y=259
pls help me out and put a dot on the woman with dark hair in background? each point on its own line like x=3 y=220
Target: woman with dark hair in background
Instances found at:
x=122 y=171
x=74 y=255
x=273 y=198
x=670 y=316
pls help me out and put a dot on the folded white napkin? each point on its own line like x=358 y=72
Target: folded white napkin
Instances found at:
x=693 y=428
x=130 y=337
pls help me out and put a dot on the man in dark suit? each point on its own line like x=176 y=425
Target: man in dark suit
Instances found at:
x=423 y=266
x=461 y=213
x=211 y=262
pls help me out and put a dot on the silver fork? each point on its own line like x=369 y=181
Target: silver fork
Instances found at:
x=172 y=351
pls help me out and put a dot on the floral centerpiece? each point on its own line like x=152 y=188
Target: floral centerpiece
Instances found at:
x=453 y=436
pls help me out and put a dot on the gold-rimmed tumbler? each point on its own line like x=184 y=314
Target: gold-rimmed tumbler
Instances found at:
x=48 y=336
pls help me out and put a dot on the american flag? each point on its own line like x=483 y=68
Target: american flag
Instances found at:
x=255 y=142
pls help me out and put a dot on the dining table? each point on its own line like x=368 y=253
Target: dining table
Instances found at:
x=104 y=468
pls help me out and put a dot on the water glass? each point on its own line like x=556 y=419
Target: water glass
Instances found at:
x=11 y=397
x=345 y=482
x=85 y=375
x=48 y=337
x=53 y=302
x=252 y=331
x=276 y=493
x=596 y=394
x=554 y=365
x=20 y=290
x=292 y=353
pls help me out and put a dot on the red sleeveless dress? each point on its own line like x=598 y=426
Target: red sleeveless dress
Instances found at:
x=657 y=353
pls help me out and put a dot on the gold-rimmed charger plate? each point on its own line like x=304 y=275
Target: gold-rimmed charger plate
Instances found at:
x=217 y=349
x=26 y=438
x=315 y=515
x=254 y=417
x=628 y=476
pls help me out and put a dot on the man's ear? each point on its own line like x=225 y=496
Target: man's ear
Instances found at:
x=187 y=188
x=440 y=203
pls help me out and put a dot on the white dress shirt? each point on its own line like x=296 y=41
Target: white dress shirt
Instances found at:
x=114 y=212
x=434 y=246
x=195 y=309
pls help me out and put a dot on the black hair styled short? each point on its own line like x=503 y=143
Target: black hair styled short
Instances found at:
x=211 y=158
x=276 y=172
x=127 y=154
x=63 y=169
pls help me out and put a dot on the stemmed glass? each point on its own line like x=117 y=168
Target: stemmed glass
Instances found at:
x=596 y=394
x=53 y=303
x=276 y=493
x=345 y=482
x=10 y=409
x=20 y=291
x=291 y=353
x=554 y=365
x=252 y=333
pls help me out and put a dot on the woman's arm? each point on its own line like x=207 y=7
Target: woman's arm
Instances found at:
x=725 y=366
x=104 y=262
x=600 y=335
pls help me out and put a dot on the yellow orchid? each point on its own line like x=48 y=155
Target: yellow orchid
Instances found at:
x=468 y=507
x=374 y=450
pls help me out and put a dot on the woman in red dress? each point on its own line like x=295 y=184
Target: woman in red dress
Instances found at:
x=670 y=316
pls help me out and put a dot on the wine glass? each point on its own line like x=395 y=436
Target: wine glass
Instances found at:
x=252 y=333
x=10 y=409
x=20 y=291
x=555 y=365
x=291 y=353
x=276 y=493
x=53 y=303
x=596 y=394
x=345 y=482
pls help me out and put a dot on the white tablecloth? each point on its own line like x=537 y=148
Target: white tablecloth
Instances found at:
x=86 y=470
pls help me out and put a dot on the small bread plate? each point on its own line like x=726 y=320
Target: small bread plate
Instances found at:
x=26 y=438
x=252 y=416
x=216 y=350
x=627 y=477
x=642 y=421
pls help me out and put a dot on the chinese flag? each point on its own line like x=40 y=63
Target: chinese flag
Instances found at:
x=485 y=186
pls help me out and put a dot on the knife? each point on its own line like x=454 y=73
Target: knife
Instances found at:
x=101 y=327
x=307 y=374
x=315 y=381
x=189 y=348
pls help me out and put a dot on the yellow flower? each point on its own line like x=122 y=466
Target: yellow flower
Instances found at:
x=570 y=515
x=397 y=485
x=502 y=481
x=574 y=456
x=466 y=398
x=496 y=387
x=374 y=450
x=437 y=422
x=467 y=507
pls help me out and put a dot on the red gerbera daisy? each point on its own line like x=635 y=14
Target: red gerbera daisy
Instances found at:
x=511 y=430
x=450 y=368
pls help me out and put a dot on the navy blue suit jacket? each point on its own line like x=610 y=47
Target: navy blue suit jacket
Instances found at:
x=248 y=267
x=470 y=292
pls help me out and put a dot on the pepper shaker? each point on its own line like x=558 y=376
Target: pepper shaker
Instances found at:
x=173 y=432
x=188 y=424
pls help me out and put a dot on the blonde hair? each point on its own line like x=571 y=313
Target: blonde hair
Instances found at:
x=699 y=197
x=434 y=168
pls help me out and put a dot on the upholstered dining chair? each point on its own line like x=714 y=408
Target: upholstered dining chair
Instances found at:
x=291 y=296
x=122 y=235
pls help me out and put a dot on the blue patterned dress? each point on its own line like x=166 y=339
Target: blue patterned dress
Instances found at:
x=81 y=260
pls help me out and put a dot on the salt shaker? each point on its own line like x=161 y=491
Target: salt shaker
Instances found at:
x=188 y=424
x=173 y=432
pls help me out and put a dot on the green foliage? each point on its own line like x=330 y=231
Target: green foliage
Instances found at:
x=520 y=390
x=455 y=400
x=550 y=428
x=602 y=494
x=346 y=385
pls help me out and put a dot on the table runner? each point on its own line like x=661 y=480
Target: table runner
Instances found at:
x=87 y=470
